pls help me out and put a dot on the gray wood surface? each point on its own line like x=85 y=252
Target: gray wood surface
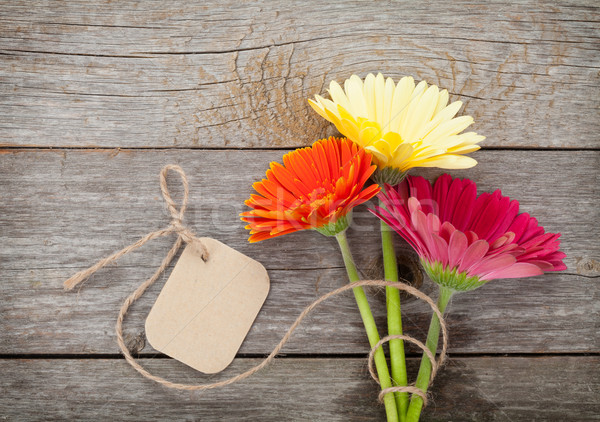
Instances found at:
x=95 y=97
x=468 y=389
x=62 y=210
x=225 y=74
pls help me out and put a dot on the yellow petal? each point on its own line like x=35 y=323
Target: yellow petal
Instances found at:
x=400 y=156
x=326 y=104
x=450 y=111
x=350 y=130
x=369 y=134
x=470 y=137
x=447 y=129
x=380 y=99
x=419 y=89
x=402 y=96
x=332 y=117
x=442 y=101
x=443 y=116
x=421 y=113
x=388 y=98
x=316 y=107
x=379 y=158
x=449 y=161
x=464 y=150
x=393 y=139
x=384 y=147
x=345 y=114
x=364 y=123
x=427 y=151
x=413 y=104
x=354 y=91
x=369 y=95
x=338 y=96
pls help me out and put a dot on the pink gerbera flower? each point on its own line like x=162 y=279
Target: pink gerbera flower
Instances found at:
x=465 y=240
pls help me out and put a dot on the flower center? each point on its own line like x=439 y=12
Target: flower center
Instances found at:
x=320 y=196
x=318 y=199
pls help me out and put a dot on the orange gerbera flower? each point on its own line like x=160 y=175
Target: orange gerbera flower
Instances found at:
x=315 y=188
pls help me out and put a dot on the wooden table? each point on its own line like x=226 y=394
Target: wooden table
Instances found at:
x=97 y=96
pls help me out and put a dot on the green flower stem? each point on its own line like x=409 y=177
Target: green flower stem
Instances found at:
x=394 y=318
x=416 y=402
x=370 y=327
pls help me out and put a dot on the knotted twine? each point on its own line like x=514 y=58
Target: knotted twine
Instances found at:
x=185 y=235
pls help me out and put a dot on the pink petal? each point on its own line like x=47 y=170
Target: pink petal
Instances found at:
x=473 y=254
x=433 y=223
x=501 y=241
x=456 y=248
x=446 y=230
x=389 y=219
x=546 y=240
x=519 y=225
x=441 y=248
x=471 y=237
x=402 y=190
x=558 y=266
x=557 y=255
x=419 y=221
x=507 y=216
x=395 y=204
x=499 y=216
x=440 y=191
x=400 y=226
x=478 y=207
x=530 y=253
x=542 y=265
x=493 y=264
x=454 y=193
x=488 y=217
x=463 y=211
x=413 y=205
x=538 y=240
x=511 y=248
x=532 y=230
x=421 y=189
x=518 y=270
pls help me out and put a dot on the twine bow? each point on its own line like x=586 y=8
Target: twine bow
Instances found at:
x=185 y=235
x=176 y=226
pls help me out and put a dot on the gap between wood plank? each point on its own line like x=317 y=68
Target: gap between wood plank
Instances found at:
x=118 y=356
x=287 y=148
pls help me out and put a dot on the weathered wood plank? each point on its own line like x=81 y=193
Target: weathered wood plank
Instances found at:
x=76 y=202
x=474 y=389
x=224 y=74
x=554 y=314
x=62 y=210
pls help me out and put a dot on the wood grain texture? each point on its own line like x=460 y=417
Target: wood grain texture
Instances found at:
x=62 y=210
x=472 y=389
x=215 y=86
x=224 y=74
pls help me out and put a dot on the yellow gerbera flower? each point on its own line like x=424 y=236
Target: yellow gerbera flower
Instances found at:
x=403 y=125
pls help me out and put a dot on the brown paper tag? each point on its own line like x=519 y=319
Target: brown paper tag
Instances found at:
x=206 y=309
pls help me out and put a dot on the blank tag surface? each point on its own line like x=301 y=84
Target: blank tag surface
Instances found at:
x=206 y=309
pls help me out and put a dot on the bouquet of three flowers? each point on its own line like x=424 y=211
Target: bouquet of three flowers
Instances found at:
x=463 y=239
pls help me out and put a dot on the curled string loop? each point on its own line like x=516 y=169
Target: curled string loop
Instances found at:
x=183 y=233
x=435 y=365
x=171 y=205
x=177 y=226
x=187 y=236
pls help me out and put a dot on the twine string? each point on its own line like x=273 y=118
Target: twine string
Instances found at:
x=185 y=235
x=176 y=226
